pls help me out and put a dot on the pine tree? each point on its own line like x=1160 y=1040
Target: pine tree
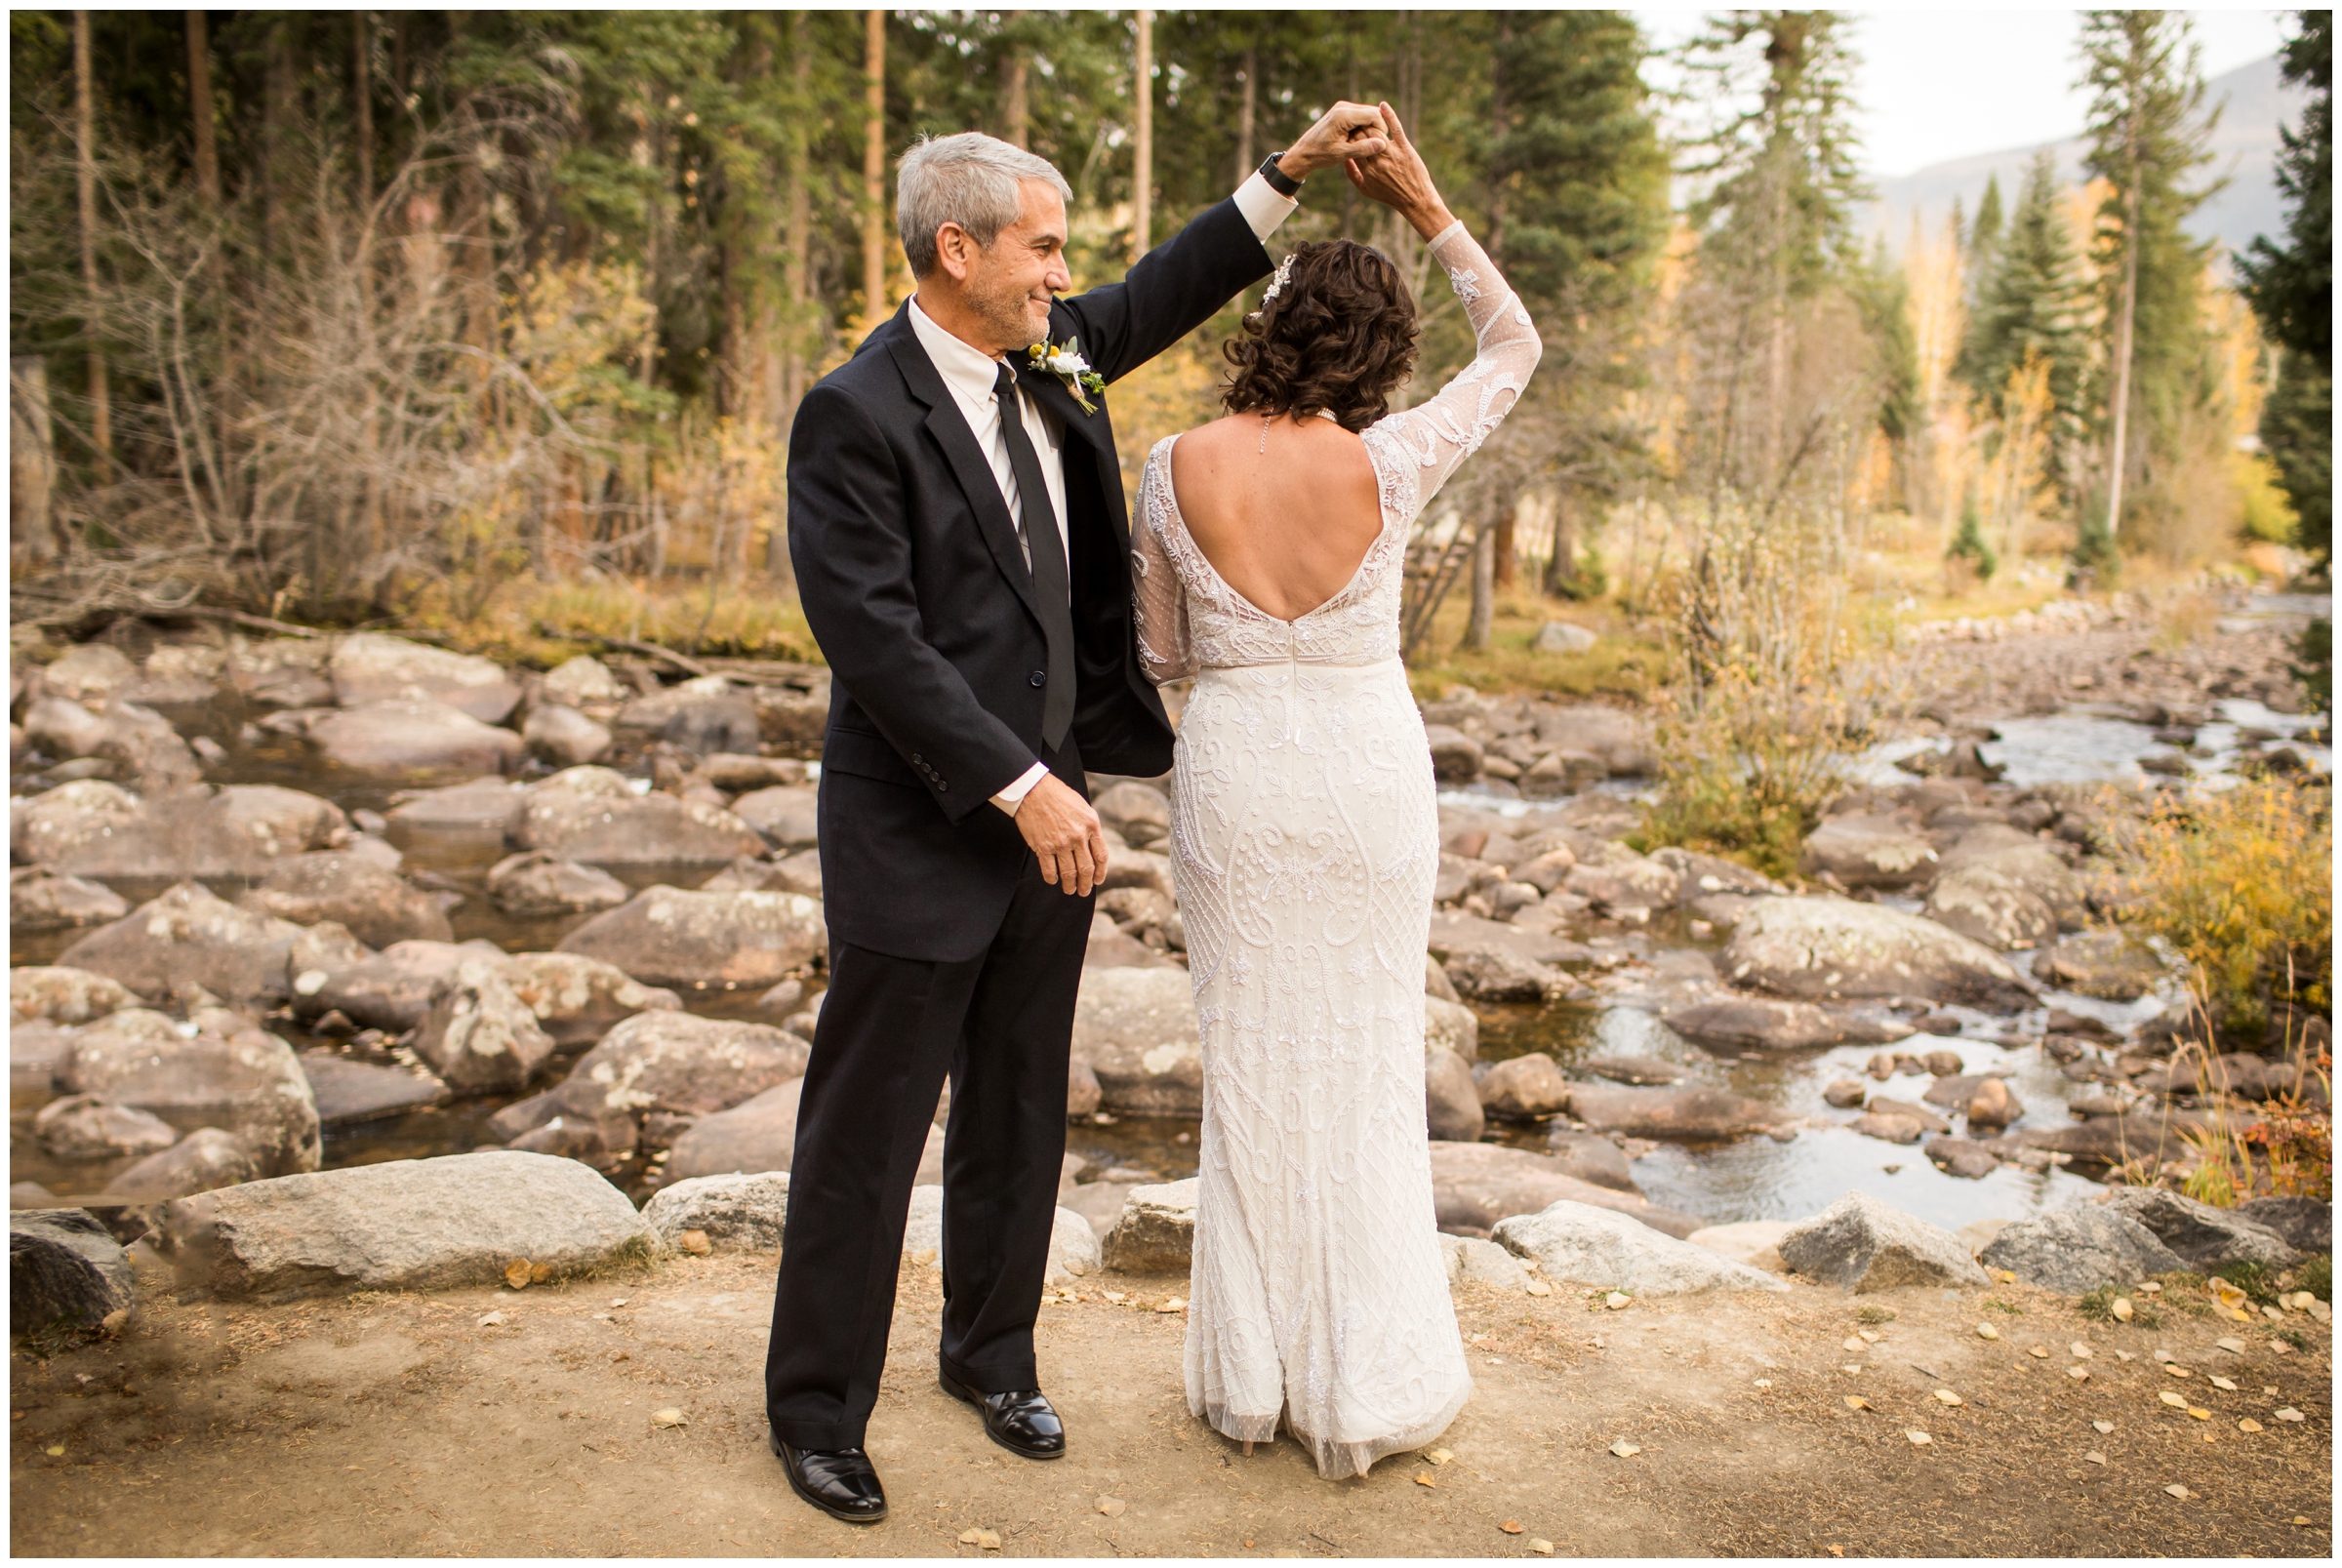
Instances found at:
x=2149 y=132
x=1984 y=239
x=2291 y=288
x=2031 y=301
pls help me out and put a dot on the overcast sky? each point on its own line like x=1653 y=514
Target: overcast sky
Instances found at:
x=1941 y=84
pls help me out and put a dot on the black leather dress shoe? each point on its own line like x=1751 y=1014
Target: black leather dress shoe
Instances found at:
x=841 y=1482
x=1021 y=1420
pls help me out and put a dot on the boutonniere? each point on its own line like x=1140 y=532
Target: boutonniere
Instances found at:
x=1065 y=362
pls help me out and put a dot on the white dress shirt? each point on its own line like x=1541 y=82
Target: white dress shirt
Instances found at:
x=972 y=375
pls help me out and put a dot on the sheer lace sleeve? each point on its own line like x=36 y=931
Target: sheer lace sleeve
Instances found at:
x=1420 y=447
x=1160 y=599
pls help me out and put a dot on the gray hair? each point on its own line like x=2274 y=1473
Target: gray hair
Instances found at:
x=970 y=179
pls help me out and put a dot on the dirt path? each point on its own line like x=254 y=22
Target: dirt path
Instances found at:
x=402 y=1425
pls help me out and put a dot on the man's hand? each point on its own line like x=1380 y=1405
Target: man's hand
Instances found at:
x=1345 y=130
x=1063 y=833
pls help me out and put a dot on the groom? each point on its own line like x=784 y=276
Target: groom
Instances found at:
x=957 y=521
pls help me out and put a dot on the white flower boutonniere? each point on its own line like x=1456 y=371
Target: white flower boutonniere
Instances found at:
x=1065 y=362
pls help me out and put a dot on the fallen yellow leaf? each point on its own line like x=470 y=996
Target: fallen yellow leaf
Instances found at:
x=1624 y=1449
x=2178 y=1491
x=1541 y=1546
x=2175 y=1401
x=2080 y=1350
x=2249 y=1425
x=1112 y=1506
x=1510 y=1527
x=2223 y=1386
x=1918 y=1439
x=666 y=1418
x=1616 y=1300
x=2290 y=1414
x=516 y=1273
x=695 y=1243
x=1538 y=1287
x=2200 y=1414
x=2122 y=1308
x=2095 y=1457
x=1439 y=1456
x=2102 y=1426
x=1949 y=1398
x=1986 y=1331
x=1424 y=1480
x=2040 y=1352
x=1856 y=1401
x=2078 y=1374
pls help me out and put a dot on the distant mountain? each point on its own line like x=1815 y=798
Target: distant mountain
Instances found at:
x=2245 y=148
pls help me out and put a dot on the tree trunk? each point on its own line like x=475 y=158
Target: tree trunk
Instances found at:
x=1142 y=175
x=1244 y=105
x=1563 y=566
x=873 y=171
x=85 y=183
x=32 y=465
x=2122 y=334
x=1016 y=112
x=200 y=109
x=361 y=92
x=1507 y=566
x=1478 y=629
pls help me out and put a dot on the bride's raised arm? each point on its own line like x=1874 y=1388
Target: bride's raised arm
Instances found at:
x=1426 y=443
x=1436 y=436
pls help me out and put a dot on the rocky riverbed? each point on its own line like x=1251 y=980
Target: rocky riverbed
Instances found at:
x=285 y=910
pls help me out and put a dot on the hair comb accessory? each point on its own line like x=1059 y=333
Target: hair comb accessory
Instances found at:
x=1284 y=273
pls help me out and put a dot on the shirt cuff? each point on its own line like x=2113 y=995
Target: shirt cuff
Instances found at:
x=1013 y=796
x=1263 y=208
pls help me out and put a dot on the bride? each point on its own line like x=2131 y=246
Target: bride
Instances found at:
x=1305 y=835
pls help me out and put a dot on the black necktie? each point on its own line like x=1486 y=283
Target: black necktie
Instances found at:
x=1046 y=553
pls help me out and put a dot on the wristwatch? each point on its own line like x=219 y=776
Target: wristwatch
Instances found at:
x=1284 y=183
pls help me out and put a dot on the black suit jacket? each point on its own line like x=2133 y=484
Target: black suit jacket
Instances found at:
x=908 y=570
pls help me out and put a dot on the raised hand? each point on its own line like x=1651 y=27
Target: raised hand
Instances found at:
x=1398 y=180
x=1345 y=130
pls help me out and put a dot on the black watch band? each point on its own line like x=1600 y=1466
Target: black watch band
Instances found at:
x=1284 y=183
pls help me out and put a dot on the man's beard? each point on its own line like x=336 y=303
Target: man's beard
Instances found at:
x=1003 y=317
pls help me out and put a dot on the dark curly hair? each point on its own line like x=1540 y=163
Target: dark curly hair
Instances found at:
x=1340 y=336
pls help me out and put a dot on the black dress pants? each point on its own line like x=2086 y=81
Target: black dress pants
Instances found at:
x=1001 y=1024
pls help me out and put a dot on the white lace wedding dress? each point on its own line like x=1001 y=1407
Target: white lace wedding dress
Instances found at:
x=1304 y=842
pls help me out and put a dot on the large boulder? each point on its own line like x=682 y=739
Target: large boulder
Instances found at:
x=478 y=1037
x=377 y=907
x=666 y=937
x=2106 y=1141
x=1452 y=1026
x=368 y=666
x=703 y=716
x=1136 y=1028
x=2206 y=1238
x=1139 y=811
x=735 y=1213
x=406 y=1225
x=1701 y=876
x=2306 y=1225
x=1619 y=738
x=593 y=814
x=478 y=811
x=1622 y=884
x=1490 y=961
x=681 y=1065
x=348 y=1091
x=63 y=1268
x=188 y=936
x=1157 y=1232
x=1986 y=903
x=2076 y=1250
x=1581 y=1244
x=61 y=995
x=1524 y=1088
x=787 y=815
x=1868 y=852
x=1828 y=949
x=2109 y=965
x=577 y=999
x=564 y=737
x=40 y=900
x=389 y=990
x=584 y=683
x=145 y=748
x=1451 y=1100
x=1861 y=1244
x=1455 y=756
x=61 y=727
x=1591 y=1157
x=219 y=1071
x=535 y=884
x=2024 y=860
x=1692 y=1115
x=1762 y=1024
x=412 y=741
x=84 y=1127
x=759 y=1134
x=173 y=837
x=275 y=820
x=203 y=1162
x=1474 y=1186
x=90 y=673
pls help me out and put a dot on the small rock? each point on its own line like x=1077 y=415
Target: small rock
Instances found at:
x=564 y=737
x=1844 y=1093
x=666 y=937
x=535 y=883
x=84 y=1127
x=734 y=1212
x=1756 y=1024
x=1157 y=1232
x=2205 y=1237
x=1451 y=1100
x=1524 y=1088
x=204 y=1160
x=1992 y=1106
x=478 y=1037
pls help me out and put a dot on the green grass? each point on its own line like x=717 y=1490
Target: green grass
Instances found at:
x=2098 y=1307
x=1994 y=1304
x=1627 y=661
x=2257 y=1281
x=1876 y=1315
x=2317 y=1276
